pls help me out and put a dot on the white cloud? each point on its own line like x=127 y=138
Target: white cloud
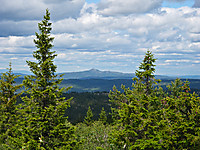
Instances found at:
x=16 y=42
x=20 y=17
x=34 y=9
x=179 y=61
x=17 y=28
x=121 y=7
x=169 y=33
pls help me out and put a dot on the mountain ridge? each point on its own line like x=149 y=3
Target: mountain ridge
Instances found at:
x=98 y=74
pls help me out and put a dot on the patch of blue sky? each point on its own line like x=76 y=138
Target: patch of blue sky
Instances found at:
x=174 y=4
x=92 y=1
x=170 y=4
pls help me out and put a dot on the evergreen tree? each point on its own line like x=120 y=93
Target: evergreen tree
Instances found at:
x=181 y=118
x=135 y=108
x=102 y=116
x=147 y=118
x=88 y=119
x=8 y=89
x=43 y=125
x=8 y=98
x=146 y=71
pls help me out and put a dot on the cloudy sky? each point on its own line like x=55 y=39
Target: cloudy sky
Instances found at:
x=105 y=34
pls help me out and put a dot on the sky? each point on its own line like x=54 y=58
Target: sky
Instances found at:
x=107 y=35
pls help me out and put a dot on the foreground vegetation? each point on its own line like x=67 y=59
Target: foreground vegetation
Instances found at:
x=143 y=116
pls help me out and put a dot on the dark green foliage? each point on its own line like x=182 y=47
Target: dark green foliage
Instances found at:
x=134 y=119
x=89 y=118
x=81 y=101
x=95 y=136
x=102 y=116
x=8 y=112
x=145 y=74
x=150 y=118
x=136 y=107
x=182 y=117
x=43 y=125
x=8 y=89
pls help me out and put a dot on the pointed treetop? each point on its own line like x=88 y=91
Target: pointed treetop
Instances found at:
x=146 y=72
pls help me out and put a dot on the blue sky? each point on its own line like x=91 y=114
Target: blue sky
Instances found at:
x=92 y=1
x=173 y=4
x=105 y=34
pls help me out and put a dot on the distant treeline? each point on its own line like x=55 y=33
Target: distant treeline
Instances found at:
x=96 y=100
x=101 y=85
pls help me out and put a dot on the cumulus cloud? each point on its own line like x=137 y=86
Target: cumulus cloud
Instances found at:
x=21 y=28
x=20 y=17
x=33 y=10
x=121 y=7
x=171 y=33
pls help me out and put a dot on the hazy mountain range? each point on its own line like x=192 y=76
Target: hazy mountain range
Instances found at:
x=97 y=74
x=96 y=80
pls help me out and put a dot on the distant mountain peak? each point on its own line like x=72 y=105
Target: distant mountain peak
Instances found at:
x=97 y=74
x=94 y=70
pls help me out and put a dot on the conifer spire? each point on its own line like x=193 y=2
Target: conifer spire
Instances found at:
x=45 y=122
x=146 y=72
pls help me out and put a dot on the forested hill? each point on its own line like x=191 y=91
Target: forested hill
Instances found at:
x=93 y=85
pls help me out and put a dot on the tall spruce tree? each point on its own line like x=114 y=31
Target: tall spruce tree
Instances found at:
x=44 y=125
x=138 y=110
x=147 y=118
x=88 y=119
x=146 y=71
x=102 y=116
x=8 y=98
x=8 y=89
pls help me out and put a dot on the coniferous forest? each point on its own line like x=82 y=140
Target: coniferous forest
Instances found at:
x=143 y=116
